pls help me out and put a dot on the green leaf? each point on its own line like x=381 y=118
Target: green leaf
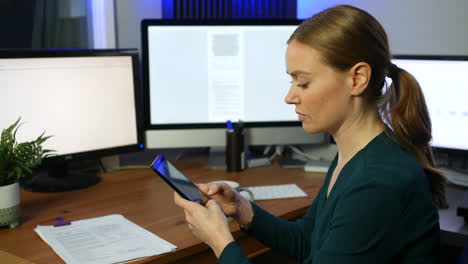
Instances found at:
x=7 y=137
x=19 y=158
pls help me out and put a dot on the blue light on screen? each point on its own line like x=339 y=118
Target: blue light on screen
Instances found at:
x=307 y=8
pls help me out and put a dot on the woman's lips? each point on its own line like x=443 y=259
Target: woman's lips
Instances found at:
x=300 y=116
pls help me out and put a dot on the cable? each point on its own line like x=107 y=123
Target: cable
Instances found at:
x=266 y=150
x=180 y=154
x=102 y=166
x=303 y=154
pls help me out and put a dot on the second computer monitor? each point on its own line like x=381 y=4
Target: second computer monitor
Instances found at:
x=442 y=80
x=200 y=74
x=87 y=100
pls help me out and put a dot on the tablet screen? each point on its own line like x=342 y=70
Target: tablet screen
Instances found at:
x=172 y=176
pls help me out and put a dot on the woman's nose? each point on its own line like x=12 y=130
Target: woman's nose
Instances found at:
x=291 y=97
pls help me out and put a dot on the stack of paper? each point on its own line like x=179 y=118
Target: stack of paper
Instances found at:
x=107 y=239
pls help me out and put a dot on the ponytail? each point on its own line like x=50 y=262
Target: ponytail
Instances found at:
x=404 y=109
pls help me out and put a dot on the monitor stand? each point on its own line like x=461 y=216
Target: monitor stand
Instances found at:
x=317 y=165
x=58 y=179
x=217 y=158
x=455 y=176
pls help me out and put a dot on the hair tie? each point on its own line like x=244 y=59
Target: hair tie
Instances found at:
x=392 y=70
x=393 y=73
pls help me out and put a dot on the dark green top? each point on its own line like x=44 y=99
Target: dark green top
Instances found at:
x=380 y=210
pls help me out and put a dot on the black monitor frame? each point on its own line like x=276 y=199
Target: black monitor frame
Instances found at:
x=54 y=167
x=226 y=22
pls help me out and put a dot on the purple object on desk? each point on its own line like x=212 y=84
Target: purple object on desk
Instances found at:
x=61 y=222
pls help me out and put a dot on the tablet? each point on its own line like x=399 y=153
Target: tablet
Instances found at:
x=174 y=178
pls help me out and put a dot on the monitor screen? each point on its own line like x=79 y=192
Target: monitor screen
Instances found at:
x=86 y=100
x=199 y=74
x=227 y=72
x=442 y=80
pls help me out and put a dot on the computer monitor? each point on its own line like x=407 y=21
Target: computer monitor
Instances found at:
x=87 y=100
x=442 y=79
x=199 y=74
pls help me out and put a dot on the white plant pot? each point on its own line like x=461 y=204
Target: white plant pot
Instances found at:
x=10 y=205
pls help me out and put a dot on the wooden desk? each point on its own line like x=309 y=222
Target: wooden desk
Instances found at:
x=145 y=199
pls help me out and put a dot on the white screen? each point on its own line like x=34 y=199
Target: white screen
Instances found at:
x=207 y=74
x=85 y=103
x=446 y=91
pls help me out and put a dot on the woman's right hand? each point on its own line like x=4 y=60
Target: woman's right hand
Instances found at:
x=231 y=202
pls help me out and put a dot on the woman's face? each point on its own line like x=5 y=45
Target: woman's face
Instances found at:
x=318 y=91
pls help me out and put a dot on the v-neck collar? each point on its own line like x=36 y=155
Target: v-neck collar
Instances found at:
x=335 y=163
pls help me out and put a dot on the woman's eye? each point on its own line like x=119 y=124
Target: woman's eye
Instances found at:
x=303 y=85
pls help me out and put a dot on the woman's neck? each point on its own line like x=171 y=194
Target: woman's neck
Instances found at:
x=356 y=133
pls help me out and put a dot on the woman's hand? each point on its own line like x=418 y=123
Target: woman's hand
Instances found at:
x=231 y=202
x=208 y=223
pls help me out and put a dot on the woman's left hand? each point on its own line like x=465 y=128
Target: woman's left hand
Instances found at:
x=208 y=223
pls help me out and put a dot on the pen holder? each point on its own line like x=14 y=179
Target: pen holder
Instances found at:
x=235 y=153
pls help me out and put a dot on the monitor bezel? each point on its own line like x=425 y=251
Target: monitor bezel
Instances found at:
x=146 y=23
x=61 y=53
x=450 y=151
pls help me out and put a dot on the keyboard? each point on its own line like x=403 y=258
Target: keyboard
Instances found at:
x=281 y=191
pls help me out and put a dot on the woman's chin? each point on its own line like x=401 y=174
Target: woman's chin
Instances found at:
x=311 y=129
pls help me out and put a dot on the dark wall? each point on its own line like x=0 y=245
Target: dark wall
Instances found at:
x=16 y=23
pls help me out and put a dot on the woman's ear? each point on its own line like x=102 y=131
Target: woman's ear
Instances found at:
x=360 y=74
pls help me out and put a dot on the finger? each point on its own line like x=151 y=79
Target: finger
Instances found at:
x=186 y=204
x=177 y=200
x=204 y=199
x=208 y=189
x=212 y=205
x=215 y=188
x=187 y=217
x=202 y=187
x=215 y=210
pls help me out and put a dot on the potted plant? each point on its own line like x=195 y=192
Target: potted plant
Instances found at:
x=16 y=160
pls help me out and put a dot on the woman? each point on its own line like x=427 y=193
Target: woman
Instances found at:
x=380 y=197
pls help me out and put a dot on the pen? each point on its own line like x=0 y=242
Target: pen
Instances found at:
x=229 y=126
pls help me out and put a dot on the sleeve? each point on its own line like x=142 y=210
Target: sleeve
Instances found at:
x=233 y=254
x=363 y=225
x=291 y=238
